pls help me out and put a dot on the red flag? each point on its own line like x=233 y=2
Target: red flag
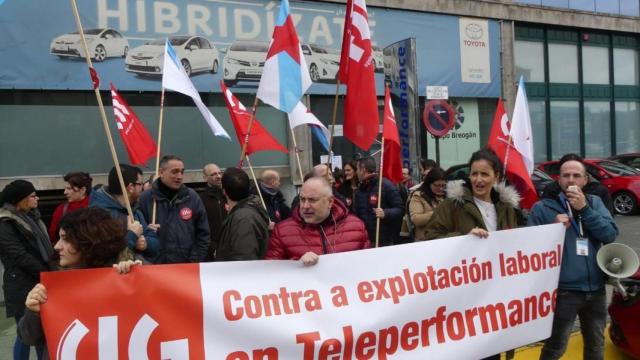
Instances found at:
x=515 y=168
x=139 y=143
x=357 y=73
x=259 y=139
x=392 y=160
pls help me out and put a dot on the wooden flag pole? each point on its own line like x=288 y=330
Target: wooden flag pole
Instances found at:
x=246 y=138
x=103 y=115
x=379 y=192
x=333 y=122
x=255 y=180
x=153 y=211
x=295 y=149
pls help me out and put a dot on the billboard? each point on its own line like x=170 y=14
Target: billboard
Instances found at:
x=219 y=40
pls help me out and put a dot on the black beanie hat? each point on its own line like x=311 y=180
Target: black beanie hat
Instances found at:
x=16 y=191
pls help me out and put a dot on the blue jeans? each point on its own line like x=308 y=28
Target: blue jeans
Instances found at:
x=21 y=350
x=591 y=308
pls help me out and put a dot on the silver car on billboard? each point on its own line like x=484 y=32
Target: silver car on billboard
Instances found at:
x=102 y=44
x=244 y=61
x=196 y=54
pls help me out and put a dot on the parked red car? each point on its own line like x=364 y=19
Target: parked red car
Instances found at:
x=630 y=159
x=622 y=181
x=625 y=317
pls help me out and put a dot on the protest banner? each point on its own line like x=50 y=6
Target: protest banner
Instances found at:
x=462 y=297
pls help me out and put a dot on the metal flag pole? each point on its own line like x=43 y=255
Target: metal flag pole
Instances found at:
x=103 y=115
x=333 y=122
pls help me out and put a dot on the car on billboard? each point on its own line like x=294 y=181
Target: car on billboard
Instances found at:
x=622 y=181
x=244 y=61
x=378 y=59
x=102 y=44
x=323 y=63
x=196 y=54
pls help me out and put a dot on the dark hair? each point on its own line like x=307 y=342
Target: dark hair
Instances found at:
x=489 y=156
x=95 y=235
x=165 y=159
x=368 y=163
x=428 y=164
x=436 y=174
x=235 y=183
x=79 y=180
x=354 y=166
x=571 y=157
x=129 y=176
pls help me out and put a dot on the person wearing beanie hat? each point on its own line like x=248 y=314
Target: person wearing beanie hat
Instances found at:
x=25 y=250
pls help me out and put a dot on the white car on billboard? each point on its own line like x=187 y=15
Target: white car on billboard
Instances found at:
x=196 y=54
x=378 y=58
x=323 y=63
x=244 y=61
x=102 y=44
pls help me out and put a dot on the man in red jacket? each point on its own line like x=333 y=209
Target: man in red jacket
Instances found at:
x=319 y=225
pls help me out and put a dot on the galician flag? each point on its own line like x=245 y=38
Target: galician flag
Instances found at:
x=175 y=78
x=301 y=115
x=521 y=127
x=285 y=76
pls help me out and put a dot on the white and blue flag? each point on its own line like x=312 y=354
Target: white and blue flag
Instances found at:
x=175 y=78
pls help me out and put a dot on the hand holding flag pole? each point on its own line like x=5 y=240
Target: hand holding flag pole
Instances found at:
x=103 y=115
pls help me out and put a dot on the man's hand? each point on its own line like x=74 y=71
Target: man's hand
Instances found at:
x=124 y=267
x=479 y=232
x=136 y=227
x=310 y=258
x=141 y=243
x=154 y=227
x=36 y=297
x=272 y=225
x=564 y=219
x=379 y=213
x=576 y=198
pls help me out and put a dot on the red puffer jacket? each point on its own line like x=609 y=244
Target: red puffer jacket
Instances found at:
x=292 y=237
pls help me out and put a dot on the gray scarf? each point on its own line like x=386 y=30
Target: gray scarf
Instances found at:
x=37 y=228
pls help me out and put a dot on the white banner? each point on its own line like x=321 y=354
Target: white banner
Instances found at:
x=462 y=297
x=475 y=64
x=455 y=298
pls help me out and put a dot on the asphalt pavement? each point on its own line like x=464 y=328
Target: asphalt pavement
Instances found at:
x=629 y=235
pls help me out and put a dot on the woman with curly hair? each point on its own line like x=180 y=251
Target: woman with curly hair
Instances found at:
x=89 y=238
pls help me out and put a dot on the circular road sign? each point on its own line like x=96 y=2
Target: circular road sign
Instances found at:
x=438 y=117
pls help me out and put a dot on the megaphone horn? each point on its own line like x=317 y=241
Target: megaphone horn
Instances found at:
x=618 y=261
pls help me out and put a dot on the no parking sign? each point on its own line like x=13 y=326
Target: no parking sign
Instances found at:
x=438 y=117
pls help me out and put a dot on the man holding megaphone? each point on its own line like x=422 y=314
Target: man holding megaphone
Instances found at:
x=581 y=292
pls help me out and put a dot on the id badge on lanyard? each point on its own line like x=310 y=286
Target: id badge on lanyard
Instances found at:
x=582 y=242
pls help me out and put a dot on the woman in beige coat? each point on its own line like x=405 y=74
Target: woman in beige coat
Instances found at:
x=425 y=199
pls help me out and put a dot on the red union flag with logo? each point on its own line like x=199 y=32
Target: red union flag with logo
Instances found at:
x=392 y=161
x=357 y=73
x=450 y=299
x=137 y=140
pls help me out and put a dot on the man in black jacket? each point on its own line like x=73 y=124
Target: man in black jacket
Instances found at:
x=277 y=207
x=215 y=204
x=181 y=221
x=366 y=207
x=244 y=232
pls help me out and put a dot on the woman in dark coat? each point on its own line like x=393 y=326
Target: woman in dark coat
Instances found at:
x=25 y=251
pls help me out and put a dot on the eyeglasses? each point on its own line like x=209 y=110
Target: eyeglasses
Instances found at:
x=138 y=183
x=442 y=186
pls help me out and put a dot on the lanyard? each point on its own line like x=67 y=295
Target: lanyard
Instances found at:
x=576 y=226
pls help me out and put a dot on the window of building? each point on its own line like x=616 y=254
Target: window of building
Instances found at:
x=597 y=128
x=563 y=63
x=539 y=128
x=565 y=128
x=627 y=126
x=625 y=66
x=529 y=59
x=594 y=60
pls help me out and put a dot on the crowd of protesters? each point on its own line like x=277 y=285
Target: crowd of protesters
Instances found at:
x=237 y=219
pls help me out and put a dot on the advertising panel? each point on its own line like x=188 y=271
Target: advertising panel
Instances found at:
x=217 y=40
